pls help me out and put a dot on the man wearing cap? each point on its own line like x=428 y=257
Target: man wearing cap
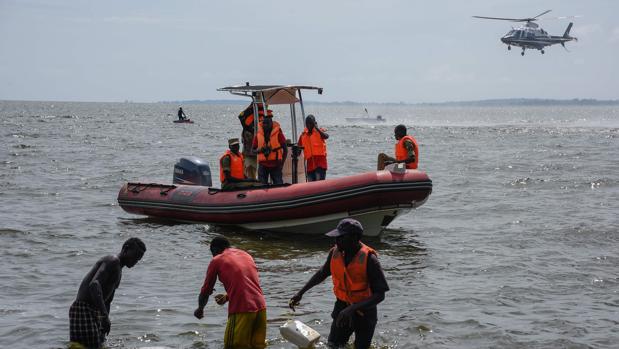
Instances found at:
x=359 y=284
x=231 y=171
x=246 y=117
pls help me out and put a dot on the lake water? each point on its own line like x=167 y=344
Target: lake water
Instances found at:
x=517 y=247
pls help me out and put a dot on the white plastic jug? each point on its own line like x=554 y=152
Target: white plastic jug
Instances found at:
x=299 y=333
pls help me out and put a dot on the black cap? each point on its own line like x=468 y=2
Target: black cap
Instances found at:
x=346 y=226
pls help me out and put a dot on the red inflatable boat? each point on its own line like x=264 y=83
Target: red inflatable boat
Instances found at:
x=373 y=198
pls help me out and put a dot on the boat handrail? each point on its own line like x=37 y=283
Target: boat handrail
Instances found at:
x=139 y=187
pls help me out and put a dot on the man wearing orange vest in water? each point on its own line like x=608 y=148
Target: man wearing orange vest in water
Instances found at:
x=270 y=146
x=359 y=284
x=406 y=151
x=314 y=149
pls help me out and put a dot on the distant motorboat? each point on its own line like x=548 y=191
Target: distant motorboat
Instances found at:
x=367 y=118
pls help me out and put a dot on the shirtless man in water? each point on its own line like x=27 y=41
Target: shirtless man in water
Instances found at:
x=89 y=320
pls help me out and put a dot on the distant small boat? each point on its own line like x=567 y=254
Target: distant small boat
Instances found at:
x=367 y=119
x=185 y=121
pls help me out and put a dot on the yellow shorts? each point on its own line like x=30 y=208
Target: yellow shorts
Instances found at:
x=246 y=330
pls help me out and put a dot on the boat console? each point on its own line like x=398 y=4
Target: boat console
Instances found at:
x=192 y=170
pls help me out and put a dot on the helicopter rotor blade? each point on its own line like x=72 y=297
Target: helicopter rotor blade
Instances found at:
x=532 y=19
x=560 y=17
x=543 y=13
x=505 y=19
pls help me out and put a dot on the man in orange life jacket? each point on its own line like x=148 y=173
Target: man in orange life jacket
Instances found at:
x=358 y=283
x=406 y=151
x=231 y=166
x=270 y=146
x=250 y=162
x=314 y=149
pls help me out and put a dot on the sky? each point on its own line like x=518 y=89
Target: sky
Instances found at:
x=364 y=51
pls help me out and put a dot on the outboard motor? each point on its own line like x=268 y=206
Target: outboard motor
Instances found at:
x=192 y=171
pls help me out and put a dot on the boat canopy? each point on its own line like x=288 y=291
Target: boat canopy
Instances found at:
x=271 y=94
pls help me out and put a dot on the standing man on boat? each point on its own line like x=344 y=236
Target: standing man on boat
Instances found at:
x=89 y=320
x=406 y=151
x=247 y=317
x=359 y=284
x=181 y=114
x=270 y=146
x=314 y=149
x=250 y=161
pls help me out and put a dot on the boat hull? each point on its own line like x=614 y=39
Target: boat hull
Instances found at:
x=375 y=198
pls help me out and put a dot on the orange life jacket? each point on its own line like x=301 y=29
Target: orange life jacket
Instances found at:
x=236 y=166
x=313 y=144
x=276 y=148
x=402 y=154
x=350 y=283
x=249 y=120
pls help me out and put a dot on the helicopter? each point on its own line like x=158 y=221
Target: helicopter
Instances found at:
x=531 y=35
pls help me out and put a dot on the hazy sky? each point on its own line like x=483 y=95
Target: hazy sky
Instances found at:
x=366 y=51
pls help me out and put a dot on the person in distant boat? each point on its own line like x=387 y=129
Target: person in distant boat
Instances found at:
x=250 y=161
x=89 y=320
x=181 y=114
x=406 y=151
x=247 y=317
x=359 y=284
x=270 y=146
x=314 y=149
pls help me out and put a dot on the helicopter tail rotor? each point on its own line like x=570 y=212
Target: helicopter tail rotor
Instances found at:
x=566 y=35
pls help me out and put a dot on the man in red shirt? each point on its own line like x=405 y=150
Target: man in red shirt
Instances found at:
x=247 y=317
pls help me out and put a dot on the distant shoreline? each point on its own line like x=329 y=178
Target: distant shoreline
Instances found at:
x=479 y=103
x=472 y=103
